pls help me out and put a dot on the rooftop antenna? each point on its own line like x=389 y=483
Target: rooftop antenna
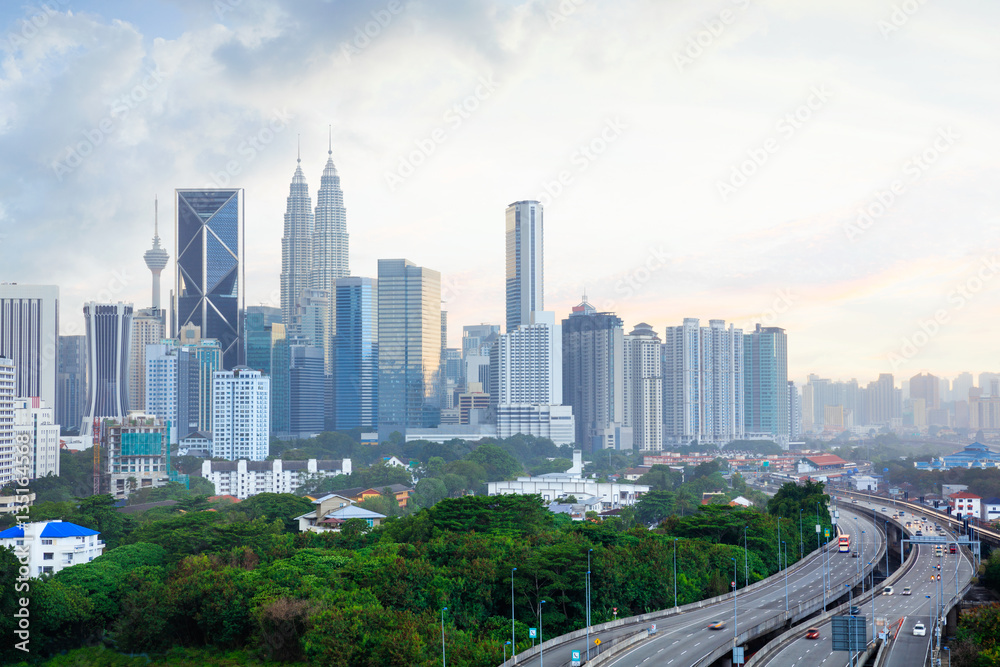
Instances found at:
x=330 y=149
x=298 y=139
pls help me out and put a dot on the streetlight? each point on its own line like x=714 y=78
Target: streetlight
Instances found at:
x=505 y=651
x=779 y=544
x=513 y=640
x=444 y=659
x=802 y=545
x=541 y=658
x=872 y=589
x=817 y=530
x=736 y=632
x=675 y=574
x=589 y=551
x=746 y=566
x=850 y=635
x=785 y=546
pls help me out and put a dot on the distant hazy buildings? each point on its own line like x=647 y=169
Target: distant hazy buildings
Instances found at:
x=593 y=377
x=355 y=346
x=765 y=378
x=29 y=324
x=109 y=342
x=794 y=412
x=409 y=344
x=643 y=377
x=257 y=329
x=209 y=289
x=524 y=267
x=241 y=415
x=703 y=385
x=71 y=381
x=927 y=387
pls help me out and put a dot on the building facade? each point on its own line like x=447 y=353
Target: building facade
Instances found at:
x=524 y=266
x=330 y=249
x=765 y=383
x=29 y=325
x=138 y=453
x=71 y=381
x=209 y=291
x=34 y=425
x=526 y=363
x=241 y=400
x=355 y=371
x=244 y=478
x=306 y=390
x=7 y=444
x=52 y=546
x=296 y=245
x=409 y=344
x=554 y=422
x=643 y=378
x=109 y=342
x=148 y=328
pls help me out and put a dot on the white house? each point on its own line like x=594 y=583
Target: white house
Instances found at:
x=47 y=547
x=332 y=511
x=991 y=509
x=965 y=504
x=865 y=483
x=243 y=478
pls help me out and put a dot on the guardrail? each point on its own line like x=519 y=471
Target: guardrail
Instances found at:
x=616 y=646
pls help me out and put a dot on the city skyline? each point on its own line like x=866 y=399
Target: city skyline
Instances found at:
x=709 y=222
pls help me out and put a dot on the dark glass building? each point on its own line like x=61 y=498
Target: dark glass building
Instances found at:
x=209 y=289
x=355 y=354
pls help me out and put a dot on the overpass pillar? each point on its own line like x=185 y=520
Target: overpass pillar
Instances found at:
x=951 y=625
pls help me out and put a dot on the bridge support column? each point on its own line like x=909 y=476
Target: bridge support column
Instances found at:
x=951 y=625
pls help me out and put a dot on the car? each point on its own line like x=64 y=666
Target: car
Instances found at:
x=907 y=591
x=854 y=554
x=812 y=633
x=887 y=590
x=919 y=630
x=855 y=611
x=919 y=533
x=885 y=510
x=716 y=625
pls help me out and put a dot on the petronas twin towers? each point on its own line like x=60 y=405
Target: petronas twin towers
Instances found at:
x=314 y=246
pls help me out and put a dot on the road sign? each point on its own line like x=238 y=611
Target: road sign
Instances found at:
x=574 y=659
x=817 y=527
x=597 y=641
x=532 y=633
x=737 y=655
x=766 y=464
x=826 y=532
x=849 y=633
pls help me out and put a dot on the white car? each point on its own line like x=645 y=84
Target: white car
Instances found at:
x=919 y=630
x=887 y=590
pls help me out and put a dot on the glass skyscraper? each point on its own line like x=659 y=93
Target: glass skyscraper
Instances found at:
x=355 y=354
x=524 y=286
x=209 y=289
x=296 y=245
x=409 y=344
x=109 y=340
x=765 y=378
x=329 y=247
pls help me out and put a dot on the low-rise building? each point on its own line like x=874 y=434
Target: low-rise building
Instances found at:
x=243 y=478
x=991 y=509
x=613 y=495
x=52 y=546
x=866 y=483
x=332 y=511
x=360 y=494
x=17 y=503
x=965 y=504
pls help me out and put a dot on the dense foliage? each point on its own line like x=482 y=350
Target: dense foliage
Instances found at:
x=236 y=585
x=977 y=640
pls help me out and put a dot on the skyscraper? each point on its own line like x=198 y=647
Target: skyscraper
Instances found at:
x=109 y=338
x=794 y=412
x=526 y=364
x=306 y=390
x=355 y=369
x=330 y=246
x=593 y=377
x=409 y=344
x=296 y=245
x=210 y=268
x=643 y=377
x=147 y=329
x=257 y=336
x=883 y=401
x=765 y=382
x=703 y=383
x=524 y=287
x=156 y=257
x=179 y=379
x=240 y=420
x=7 y=383
x=29 y=324
x=71 y=383
x=281 y=363
x=927 y=387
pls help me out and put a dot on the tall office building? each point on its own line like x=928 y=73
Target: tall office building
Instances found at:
x=927 y=387
x=409 y=344
x=643 y=377
x=7 y=383
x=765 y=382
x=593 y=377
x=794 y=412
x=355 y=347
x=241 y=400
x=524 y=288
x=281 y=362
x=109 y=340
x=179 y=378
x=34 y=421
x=703 y=383
x=156 y=257
x=29 y=324
x=209 y=289
x=330 y=245
x=296 y=245
x=71 y=382
x=148 y=328
x=306 y=390
x=257 y=327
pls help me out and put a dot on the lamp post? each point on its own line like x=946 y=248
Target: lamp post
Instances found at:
x=589 y=551
x=779 y=544
x=444 y=658
x=736 y=626
x=873 y=603
x=513 y=639
x=802 y=545
x=817 y=525
x=850 y=635
x=505 y=651
x=746 y=566
x=785 y=547
x=541 y=639
x=675 y=573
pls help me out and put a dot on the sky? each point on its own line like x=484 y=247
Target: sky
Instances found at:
x=826 y=167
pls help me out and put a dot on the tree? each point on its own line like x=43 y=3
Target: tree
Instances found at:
x=655 y=506
x=498 y=463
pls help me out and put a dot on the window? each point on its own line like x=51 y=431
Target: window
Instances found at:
x=47 y=556
x=46 y=542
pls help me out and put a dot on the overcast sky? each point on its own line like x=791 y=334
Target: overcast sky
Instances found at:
x=696 y=159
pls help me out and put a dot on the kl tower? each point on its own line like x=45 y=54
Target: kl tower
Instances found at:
x=156 y=258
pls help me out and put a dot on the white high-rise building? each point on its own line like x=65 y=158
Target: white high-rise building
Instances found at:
x=643 y=402
x=241 y=421
x=109 y=341
x=703 y=383
x=554 y=422
x=526 y=363
x=34 y=426
x=296 y=245
x=162 y=386
x=29 y=325
x=7 y=382
x=329 y=248
x=525 y=277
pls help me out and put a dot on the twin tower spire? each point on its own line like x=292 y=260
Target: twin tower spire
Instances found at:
x=315 y=243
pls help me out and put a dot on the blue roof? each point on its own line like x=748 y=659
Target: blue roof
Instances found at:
x=53 y=529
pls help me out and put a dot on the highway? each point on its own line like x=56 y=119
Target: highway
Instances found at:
x=901 y=611
x=685 y=640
